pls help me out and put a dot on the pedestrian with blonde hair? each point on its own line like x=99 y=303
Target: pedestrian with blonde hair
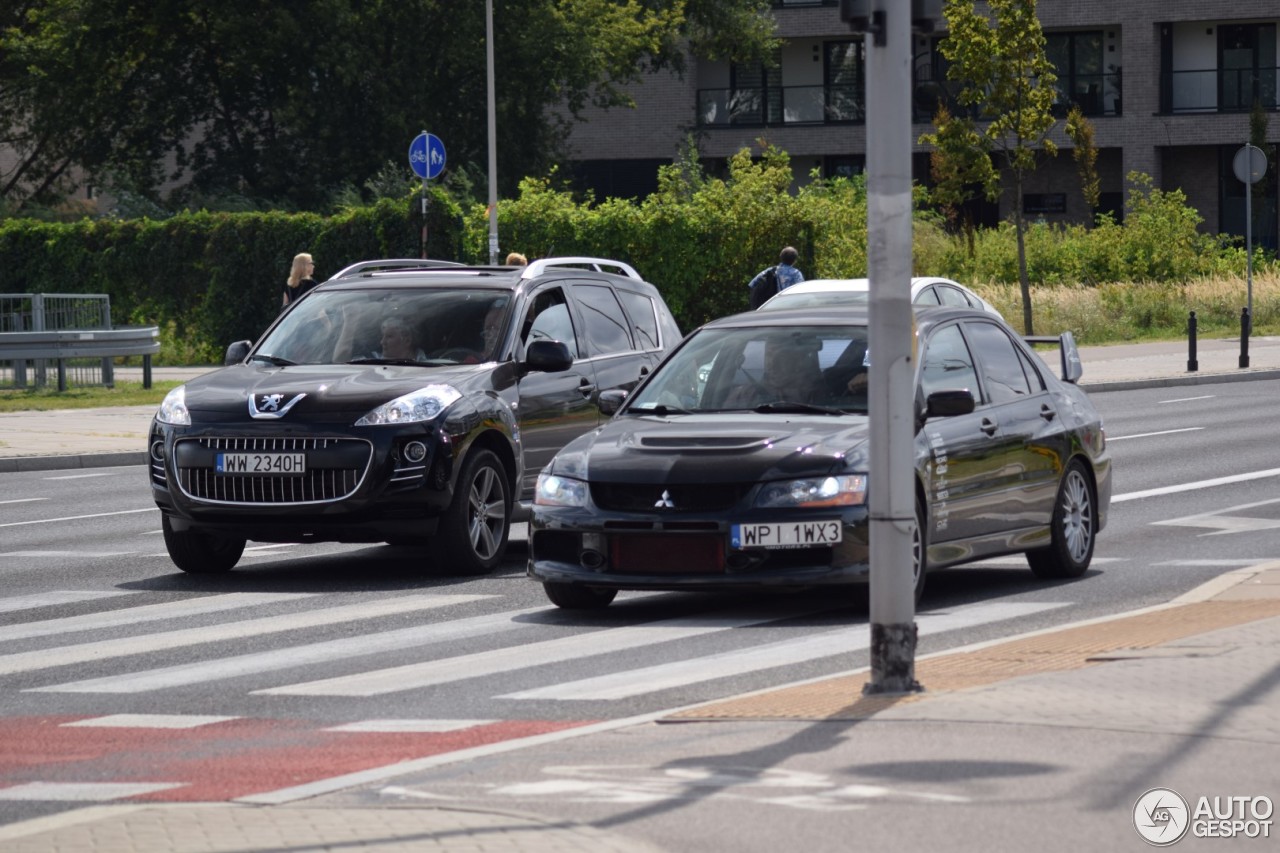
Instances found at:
x=300 y=279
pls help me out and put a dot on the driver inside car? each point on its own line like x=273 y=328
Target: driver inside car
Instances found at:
x=790 y=374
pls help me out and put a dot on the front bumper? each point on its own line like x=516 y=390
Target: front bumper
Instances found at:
x=626 y=551
x=359 y=485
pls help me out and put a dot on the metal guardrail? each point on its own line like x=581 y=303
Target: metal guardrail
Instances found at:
x=21 y=347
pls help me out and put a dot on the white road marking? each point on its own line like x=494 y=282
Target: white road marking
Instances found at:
x=22 y=500
x=436 y=672
x=1188 y=399
x=636 y=682
x=55 y=597
x=83 y=791
x=66 y=553
x=82 y=476
x=78 y=517
x=1227 y=520
x=148 y=721
x=410 y=725
x=1210 y=563
x=1192 y=487
x=313 y=653
x=1112 y=438
x=146 y=613
x=105 y=649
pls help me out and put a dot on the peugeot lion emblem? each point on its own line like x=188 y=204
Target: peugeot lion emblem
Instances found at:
x=268 y=405
x=665 y=501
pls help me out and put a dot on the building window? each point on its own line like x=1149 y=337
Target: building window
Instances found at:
x=1044 y=203
x=1077 y=60
x=1247 y=63
x=844 y=75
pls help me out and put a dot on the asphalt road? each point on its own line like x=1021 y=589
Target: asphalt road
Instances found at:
x=95 y=620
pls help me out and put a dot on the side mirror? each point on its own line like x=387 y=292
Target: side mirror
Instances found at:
x=610 y=401
x=237 y=351
x=947 y=404
x=547 y=356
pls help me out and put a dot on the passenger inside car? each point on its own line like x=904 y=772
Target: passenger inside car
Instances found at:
x=790 y=373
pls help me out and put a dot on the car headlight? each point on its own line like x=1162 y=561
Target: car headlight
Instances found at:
x=421 y=405
x=847 y=490
x=173 y=409
x=559 y=491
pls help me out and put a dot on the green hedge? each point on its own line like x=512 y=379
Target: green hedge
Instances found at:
x=211 y=278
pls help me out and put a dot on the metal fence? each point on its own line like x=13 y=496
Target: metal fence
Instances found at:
x=54 y=312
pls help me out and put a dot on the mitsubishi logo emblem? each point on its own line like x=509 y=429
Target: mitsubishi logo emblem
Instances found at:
x=664 y=502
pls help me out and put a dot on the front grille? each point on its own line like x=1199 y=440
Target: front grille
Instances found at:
x=335 y=469
x=658 y=554
x=696 y=497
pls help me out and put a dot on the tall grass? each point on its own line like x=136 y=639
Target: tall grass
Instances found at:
x=1143 y=311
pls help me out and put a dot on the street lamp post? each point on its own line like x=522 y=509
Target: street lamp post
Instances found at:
x=493 y=134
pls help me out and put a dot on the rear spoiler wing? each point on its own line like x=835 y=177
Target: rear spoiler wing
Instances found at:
x=1071 y=369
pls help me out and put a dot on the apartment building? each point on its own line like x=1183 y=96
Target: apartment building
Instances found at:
x=1168 y=85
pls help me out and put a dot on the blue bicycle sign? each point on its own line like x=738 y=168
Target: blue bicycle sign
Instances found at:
x=426 y=155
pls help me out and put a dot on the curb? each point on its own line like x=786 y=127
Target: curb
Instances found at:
x=18 y=464
x=1173 y=381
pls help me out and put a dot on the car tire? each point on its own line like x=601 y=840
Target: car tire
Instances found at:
x=572 y=596
x=201 y=553
x=1072 y=529
x=473 y=532
x=920 y=550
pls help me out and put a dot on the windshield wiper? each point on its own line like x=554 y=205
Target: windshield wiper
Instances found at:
x=800 y=408
x=407 y=361
x=661 y=409
x=273 y=359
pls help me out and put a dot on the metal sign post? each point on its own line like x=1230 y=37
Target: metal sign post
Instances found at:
x=1249 y=165
x=426 y=158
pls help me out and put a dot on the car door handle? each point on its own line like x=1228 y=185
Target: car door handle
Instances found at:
x=586 y=388
x=989 y=426
x=1047 y=412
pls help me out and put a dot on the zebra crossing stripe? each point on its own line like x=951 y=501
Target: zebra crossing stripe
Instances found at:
x=104 y=649
x=55 y=597
x=623 y=685
x=146 y=613
x=313 y=653
x=83 y=791
x=432 y=673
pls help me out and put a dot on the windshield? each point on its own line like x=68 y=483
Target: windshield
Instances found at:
x=393 y=326
x=767 y=369
x=818 y=299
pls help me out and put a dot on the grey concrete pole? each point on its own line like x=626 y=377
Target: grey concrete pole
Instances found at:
x=892 y=486
x=493 y=134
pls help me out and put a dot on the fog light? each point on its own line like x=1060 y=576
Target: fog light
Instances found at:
x=415 y=451
x=592 y=556
x=157 y=450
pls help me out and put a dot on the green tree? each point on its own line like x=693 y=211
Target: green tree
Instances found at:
x=1085 y=153
x=285 y=102
x=959 y=160
x=1007 y=79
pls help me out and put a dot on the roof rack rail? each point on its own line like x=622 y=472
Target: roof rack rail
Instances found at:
x=390 y=264
x=538 y=267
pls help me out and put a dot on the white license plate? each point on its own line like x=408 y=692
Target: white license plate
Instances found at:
x=265 y=464
x=795 y=534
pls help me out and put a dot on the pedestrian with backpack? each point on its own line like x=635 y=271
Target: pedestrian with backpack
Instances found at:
x=775 y=279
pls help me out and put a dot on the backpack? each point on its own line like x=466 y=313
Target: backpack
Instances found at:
x=765 y=288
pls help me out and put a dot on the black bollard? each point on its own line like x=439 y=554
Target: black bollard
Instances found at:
x=1244 y=337
x=1192 y=364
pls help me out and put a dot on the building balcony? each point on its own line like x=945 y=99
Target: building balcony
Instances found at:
x=774 y=106
x=1218 y=90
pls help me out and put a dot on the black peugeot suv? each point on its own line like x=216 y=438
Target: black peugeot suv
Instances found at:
x=401 y=403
